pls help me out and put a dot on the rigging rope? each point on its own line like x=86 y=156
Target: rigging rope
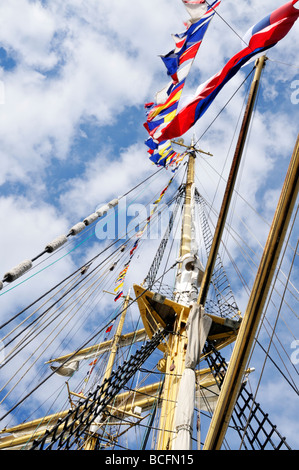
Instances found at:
x=282 y=297
x=227 y=24
x=226 y=104
x=78 y=421
x=56 y=244
x=57 y=301
x=279 y=310
x=245 y=255
x=91 y=338
x=255 y=426
x=88 y=263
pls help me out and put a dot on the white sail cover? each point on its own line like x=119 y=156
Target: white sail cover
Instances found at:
x=66 y=370
x=198 y=327
x=184 y=411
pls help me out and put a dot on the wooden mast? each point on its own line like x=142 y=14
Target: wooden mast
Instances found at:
x=205 y=284
x=234 y=375
x=260 y=63
x=187 y=220
x=91 y=440
x=177 y=341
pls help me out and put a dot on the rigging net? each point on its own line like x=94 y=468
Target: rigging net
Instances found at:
x=253 y=425
x=69 y=430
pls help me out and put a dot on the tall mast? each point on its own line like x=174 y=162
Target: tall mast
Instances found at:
x=186 y=282
x=260 y=63
x=175 y=428
x=91 y=441
x=235 y=372
x=205 y=284
x=185 y=247
x=178 y=342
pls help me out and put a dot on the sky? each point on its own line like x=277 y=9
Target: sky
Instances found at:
x=74 y=79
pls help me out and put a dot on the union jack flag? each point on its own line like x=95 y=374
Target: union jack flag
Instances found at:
x=261 y=37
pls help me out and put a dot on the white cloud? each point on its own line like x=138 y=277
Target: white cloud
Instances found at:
x=80 y=66
x=27 y=228
x=99 y=73
x=28 y=34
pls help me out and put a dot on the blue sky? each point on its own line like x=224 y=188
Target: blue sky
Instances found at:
x=76 y=76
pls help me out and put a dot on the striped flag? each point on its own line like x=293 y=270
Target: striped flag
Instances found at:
x=261 y=37
x=187 y=43
x=178 y=63
x=121 y=277
x=93 y=363
x=118 y=296
x=109 y=328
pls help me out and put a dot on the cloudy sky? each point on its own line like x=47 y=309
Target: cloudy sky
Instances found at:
x=74 y=79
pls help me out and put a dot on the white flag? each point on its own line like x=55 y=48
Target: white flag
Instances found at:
x=195 y=8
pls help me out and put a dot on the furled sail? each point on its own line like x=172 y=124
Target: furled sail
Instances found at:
x=198 y=327
x=178 y=63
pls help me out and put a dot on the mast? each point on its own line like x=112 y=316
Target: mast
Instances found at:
x=175 y=347
x=186 y=282
x=91 y=440
x=185 y=247
x=176 y=419
x=232 y=382
x=260 y=63
x=207 y=276
x=178 y=342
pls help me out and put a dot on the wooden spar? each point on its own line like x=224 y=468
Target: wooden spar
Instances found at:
x=116 y=340
x=232 y=383
x=100 y=348
x=231 y=183
x=187 y=219
x=144 y=397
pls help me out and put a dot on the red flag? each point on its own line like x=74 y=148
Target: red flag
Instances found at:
x=118 y=296
x=93 y=362
x=109 y=328
x=261 y=37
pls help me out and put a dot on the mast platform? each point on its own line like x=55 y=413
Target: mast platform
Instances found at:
x=157 y=310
